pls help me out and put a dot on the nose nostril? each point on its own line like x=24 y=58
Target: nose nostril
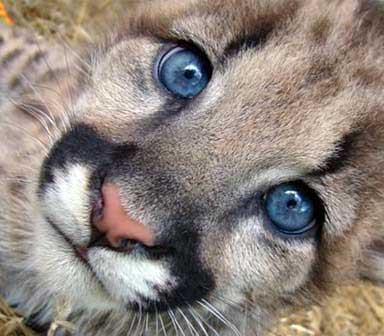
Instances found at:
x=114 y=229
x=116 y=223
x=97 y=209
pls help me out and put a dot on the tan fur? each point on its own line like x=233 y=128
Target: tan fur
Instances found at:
x=276 y=112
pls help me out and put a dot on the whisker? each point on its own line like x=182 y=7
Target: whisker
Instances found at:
x=173 y=316
x=25 y=132
x=79 y=58
x=137 y=331
x=219 y=315
x=162 y=326
x=189 y=323
x=156 y=320
x=173 y=322
x=40 y=118
x=198 y=320
x=66 y=122
x=39 y=96
x=206 y=323
x=242 y=308
x=146 y=324
x=132 y=324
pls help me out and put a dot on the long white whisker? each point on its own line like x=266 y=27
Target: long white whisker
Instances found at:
x=25 y=132
x=39 y=117
x=198 y=320
x=219 y=315
x=242 y=308
x=146 y=326
x=163 y=326
x=189 y=323
x=157 y=320
x=74 y=52
x=176 y=322
x=66 y=122
x=33 y=86
x=39 y=96
x=132 y=324
x=173 y=322
x=137 y=330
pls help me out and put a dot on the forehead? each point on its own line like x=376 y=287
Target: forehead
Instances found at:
x=280 y=93
x=226 y=23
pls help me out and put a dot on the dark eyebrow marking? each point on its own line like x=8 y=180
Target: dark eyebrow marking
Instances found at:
x=340 y=156
x=250 y=41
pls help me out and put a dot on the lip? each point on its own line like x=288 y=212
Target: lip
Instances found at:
x=79 y=251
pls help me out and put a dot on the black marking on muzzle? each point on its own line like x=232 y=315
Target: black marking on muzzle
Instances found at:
x=194 y=280
x=82 y=145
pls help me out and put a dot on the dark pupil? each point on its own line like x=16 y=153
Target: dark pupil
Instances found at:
x=291 y=204
x=189 y=73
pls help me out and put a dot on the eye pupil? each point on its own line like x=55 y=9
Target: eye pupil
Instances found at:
x=291 y=204
x=190 y=73
x=184 y=72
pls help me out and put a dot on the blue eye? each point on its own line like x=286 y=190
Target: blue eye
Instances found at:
x=291 y=208
x=184 y=72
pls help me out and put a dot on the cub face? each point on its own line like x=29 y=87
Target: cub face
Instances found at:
x=243 y=138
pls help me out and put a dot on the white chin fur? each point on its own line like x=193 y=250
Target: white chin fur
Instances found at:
x=66 y=202
x=129 y=278
x=63 y=273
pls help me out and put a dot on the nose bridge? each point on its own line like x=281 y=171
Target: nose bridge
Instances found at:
x=184 y=162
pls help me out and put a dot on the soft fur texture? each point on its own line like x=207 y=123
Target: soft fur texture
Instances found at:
x=296 y=94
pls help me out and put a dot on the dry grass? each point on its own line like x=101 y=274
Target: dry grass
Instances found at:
x=357 y=310
x=12 y=324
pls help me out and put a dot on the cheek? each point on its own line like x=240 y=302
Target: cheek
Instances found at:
x=252 y=258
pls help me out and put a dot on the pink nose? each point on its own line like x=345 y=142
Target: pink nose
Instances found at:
x=117 y=224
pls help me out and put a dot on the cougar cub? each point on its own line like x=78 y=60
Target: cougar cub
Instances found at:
x=204 y=167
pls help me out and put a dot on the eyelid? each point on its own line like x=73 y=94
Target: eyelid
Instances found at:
x=163 y=51
x=168 y=46
x=268 y=178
